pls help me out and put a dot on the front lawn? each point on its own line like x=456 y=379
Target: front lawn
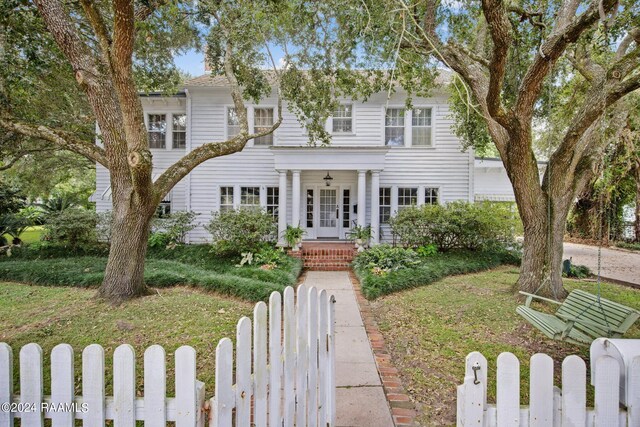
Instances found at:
x=192 y=265
x=171 y=318
x=431 y=329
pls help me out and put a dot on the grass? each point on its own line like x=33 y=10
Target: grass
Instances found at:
x=430 y=330
x=185 y=265
x=30 y=235
x=173 y=317
x=431 y=269
x=628 y=245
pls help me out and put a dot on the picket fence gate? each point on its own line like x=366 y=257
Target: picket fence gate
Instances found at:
x=283 y=375
x=549 y=406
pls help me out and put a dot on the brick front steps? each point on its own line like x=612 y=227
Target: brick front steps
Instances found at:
x=326 y=256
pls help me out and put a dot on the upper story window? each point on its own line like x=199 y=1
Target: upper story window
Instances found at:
x=262 y=121
x=385 y=204
x=421 y=127
x=179 y=131
x=157 y=130
x=250 y=197
x=226 y=199
x=343 y=119
x=431 y=196
x=233 y=123
x=407 y=197
x=394 y=127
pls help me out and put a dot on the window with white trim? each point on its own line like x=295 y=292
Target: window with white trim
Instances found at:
x=179 y=131
x=233 y=123
x=309 y=205
x=343 y=119
x=385 y=204
x=157 y=130
x=407 y=197
x=250 y=197
x=273 y=201
x=431 y=196
x=262 y=121
x=421 y=127
x=164 y=208
x=394 y=127
x=226 y=199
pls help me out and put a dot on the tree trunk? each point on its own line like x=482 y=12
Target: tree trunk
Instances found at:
x=637 y=221
x=124 y=275
x=541 y=268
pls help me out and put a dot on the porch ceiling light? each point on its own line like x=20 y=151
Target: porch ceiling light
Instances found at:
x=328 y=179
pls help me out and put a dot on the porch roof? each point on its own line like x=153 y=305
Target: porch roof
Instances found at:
x=333 y=158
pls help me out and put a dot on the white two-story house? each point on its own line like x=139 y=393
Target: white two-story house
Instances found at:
x=382 y=158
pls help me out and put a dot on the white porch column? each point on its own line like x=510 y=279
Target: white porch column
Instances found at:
x=362 y=197
x=282 y=207
x=375 y=207
x=295 y=199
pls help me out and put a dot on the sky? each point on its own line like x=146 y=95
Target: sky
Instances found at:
x=191 y=62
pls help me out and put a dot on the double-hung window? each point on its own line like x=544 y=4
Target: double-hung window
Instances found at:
x=226 y=199
x=430 y=196
x=157 y=130
x=394 y=127
x=407 y=197
x=179 y=131
x=262 y=121
x=343 y=119
x=250 y=197
x=233 y=123
x=273 y=201
x=385 y=204
x=421 y=127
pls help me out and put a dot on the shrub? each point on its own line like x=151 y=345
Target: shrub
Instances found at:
x=386 y=258
x=457 y=225
x=243 y=230
x=174 y=226
x=73 y=226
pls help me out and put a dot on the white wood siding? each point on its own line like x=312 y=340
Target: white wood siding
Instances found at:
x=443 y=165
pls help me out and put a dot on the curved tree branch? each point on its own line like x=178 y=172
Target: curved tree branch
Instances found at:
x=500 y=30
x=61 y=139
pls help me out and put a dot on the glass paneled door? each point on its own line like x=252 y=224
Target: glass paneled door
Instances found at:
x=328 y=213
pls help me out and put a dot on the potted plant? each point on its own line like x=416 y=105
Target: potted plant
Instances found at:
x=293 y=237
x=361 y=236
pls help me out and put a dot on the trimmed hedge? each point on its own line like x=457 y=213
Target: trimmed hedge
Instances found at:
x=432 y=269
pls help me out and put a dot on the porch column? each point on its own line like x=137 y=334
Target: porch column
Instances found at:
x=295 y=199
x=362 y=197
x=282 y=207
x=375 y=207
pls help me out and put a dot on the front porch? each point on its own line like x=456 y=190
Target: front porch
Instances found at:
x=332 y=190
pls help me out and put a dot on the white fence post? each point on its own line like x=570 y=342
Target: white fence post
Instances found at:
x=541 y=391
x=275 y=358
x=302 y=361
x=224 y=398
x=31 y=386
x=155 y=387
x=6 y=383
x=124 y=386
x=508 y=390
x=243 y=373
x=633 y=384
x=185 y=380
x=574 y=391
x=260 y=375
x=93 y=385
x=289 y=357
x=607 y=398
x=323 y=357
x=312 y=372
x=62 y=384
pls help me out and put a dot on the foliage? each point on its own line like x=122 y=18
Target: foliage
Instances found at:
x=427 y=250
x=360 y=232
x=175 y=226
x=268 y=258
x=575 y=271
x=293 y=235
x=242 y=230
x=159 y=239
x=386 y=258
x=194 y=265
x=428 y=270
x=457 y=225
x=103 y=226
x=629 y=245
x=73 y=226
x=12 y=200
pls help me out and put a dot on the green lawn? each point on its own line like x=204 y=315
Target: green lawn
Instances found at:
x=30 y=235
x=171 y=317
x=430 y=330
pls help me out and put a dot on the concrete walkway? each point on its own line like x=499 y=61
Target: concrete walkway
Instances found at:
x=360 y=397
x=616 y=264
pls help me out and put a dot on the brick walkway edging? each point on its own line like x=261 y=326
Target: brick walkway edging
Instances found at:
x=402 y=408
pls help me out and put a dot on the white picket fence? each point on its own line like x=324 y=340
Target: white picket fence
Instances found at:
x=549 y=406
x=284 y=375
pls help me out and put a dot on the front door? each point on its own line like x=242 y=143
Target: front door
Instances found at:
x=328 y=213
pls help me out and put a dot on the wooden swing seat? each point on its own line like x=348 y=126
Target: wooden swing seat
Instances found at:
x=580 y=318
